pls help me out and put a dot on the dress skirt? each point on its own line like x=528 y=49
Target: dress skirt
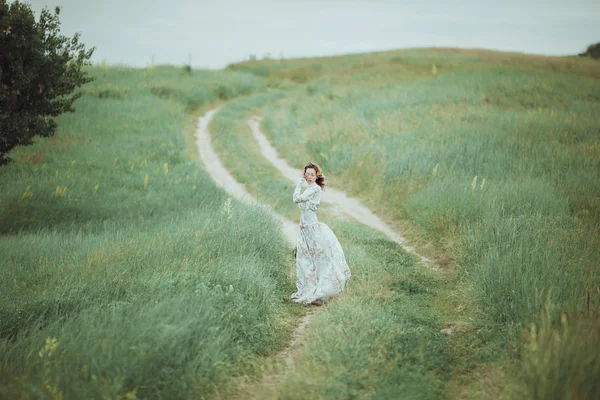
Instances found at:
x=321 y=266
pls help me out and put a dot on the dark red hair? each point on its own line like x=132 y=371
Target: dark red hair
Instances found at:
x=320 y=177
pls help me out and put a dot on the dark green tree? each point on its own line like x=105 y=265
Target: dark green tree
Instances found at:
x=40 y=69
x=593 y=51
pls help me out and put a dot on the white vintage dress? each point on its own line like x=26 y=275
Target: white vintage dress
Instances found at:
x=321 y=267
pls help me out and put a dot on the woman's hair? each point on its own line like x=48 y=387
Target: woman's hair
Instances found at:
x=320 y=177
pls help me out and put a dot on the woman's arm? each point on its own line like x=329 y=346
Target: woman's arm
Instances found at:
x=300 y=198
x=311 y=194
x=314 y=200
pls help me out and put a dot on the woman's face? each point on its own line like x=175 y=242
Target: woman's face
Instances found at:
x=310 y=175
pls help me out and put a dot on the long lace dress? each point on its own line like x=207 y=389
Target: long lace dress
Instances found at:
x=321 y=267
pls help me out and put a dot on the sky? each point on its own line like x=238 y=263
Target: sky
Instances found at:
x=214 y=34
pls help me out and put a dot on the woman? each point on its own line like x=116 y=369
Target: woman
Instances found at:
x=320 y=263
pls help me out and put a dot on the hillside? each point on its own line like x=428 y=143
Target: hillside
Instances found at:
x=129 y=272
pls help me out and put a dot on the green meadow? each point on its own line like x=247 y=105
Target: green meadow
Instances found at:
x=490 y=163
x=396 y=349
x=381 y=337
x=128 y=273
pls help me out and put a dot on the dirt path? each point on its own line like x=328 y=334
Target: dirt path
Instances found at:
x=343 y=204
x=348 y=205
x=224 y=179
x=268 y=386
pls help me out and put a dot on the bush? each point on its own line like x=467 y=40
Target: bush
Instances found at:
x=593 y=51
x=39 y=71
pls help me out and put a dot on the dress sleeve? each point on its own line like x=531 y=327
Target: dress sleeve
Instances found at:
x=310 y=199
x=314 y=199
x=300 y=198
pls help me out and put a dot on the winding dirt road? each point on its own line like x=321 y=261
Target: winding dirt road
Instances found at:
x=350 y=206
x=343 y=203
x=224 y=179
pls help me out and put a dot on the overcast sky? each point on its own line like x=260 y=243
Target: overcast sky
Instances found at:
x=214 y=34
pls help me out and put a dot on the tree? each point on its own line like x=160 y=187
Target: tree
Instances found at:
x=39 y=73
x=593 y=51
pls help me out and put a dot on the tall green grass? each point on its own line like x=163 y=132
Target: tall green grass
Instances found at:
x=126 y=271
x=419 y=142
x=560 y=361
x=381 y=338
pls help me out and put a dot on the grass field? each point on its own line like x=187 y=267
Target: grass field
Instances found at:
x=387 y=309
x=381 y=338
x=494 y=157
x=127 y=273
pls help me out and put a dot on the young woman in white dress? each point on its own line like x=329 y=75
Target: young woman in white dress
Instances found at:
x=321 y=267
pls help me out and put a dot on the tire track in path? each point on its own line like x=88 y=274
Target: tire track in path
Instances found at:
x=224 y=179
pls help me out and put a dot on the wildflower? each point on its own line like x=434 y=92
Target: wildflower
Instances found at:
x=26 y=194
x=145 y=182
x=61 y=192
x=132 y=394
x=96 y=187
x=49 y=347
x=55 y=392
x=533 y=345
x=227 y=209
